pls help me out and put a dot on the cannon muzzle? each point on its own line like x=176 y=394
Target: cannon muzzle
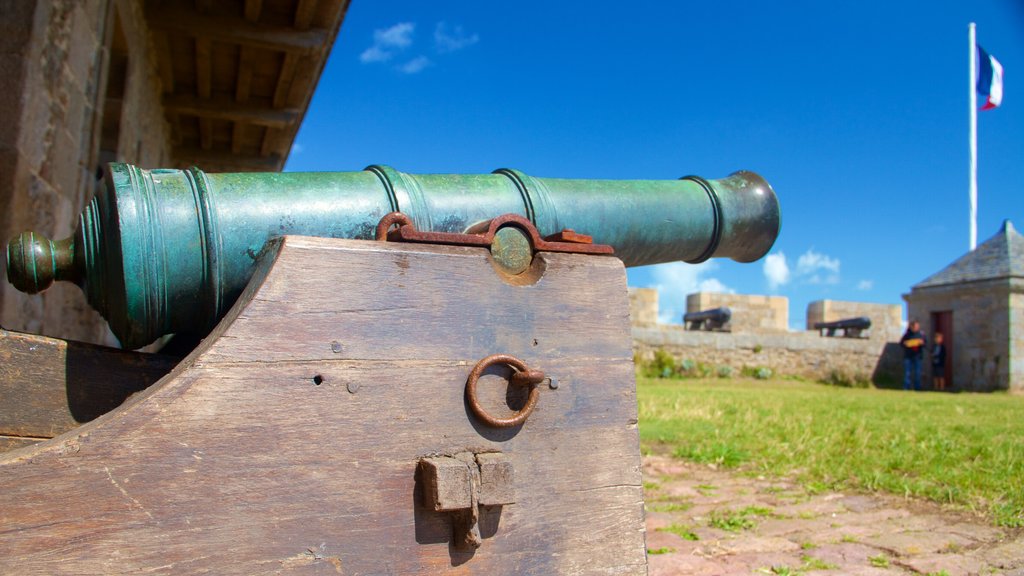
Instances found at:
x=167 y=251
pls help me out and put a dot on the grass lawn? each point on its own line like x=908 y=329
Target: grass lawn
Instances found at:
x=964 y=449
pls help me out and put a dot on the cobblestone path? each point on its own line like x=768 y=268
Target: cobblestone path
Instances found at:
x=706 y=521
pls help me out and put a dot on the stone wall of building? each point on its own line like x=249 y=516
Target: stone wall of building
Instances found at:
x=1016 y=360
x=981 y=348
x=72 y=69
x=886 y=319
x=643 y=306
x=750 y=312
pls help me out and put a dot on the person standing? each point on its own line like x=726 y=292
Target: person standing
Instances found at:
x=913 y=343
x=939 y=363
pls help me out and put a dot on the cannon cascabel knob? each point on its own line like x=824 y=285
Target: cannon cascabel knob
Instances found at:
x=34 y=262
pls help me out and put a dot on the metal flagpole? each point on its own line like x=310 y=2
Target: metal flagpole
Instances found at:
x=972 y=90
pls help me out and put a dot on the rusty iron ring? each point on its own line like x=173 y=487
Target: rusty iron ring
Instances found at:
x=521 y=377
x=389 y=220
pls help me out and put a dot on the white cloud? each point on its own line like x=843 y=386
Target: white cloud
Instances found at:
x=816 y=268
x=452 y=39
x=776 y=270
x=415 y=65
x=811 y=262
x=388 y=41
x=811 y=268
x=676 y=280
x=375 y=54
x=865 y=285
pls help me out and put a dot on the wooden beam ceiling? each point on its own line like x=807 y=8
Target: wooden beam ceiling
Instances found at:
x=238 y=76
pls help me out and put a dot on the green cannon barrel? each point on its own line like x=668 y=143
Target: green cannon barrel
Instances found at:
x=168 y=251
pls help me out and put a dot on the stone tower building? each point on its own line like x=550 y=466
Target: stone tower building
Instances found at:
x=977 y=303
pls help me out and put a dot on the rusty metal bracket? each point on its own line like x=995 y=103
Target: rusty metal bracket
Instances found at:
x=482 y=234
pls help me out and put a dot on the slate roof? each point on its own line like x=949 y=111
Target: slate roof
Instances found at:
x=1001 y=256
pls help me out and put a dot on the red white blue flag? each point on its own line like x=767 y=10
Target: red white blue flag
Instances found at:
x=990 y=79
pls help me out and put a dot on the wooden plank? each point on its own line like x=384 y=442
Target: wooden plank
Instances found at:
x=253 y=9
x=164 y=62
x=270 y=146
x=304 y=12
x=272 y=138
x=203 y=88
x=223 y=161
x=8 y=443
x=284 y=80
x=50 y=386
x=243 y=83
x=303 y=84
x=238 y=137
x=220 y=108
x=306 y=462
x=182 y=20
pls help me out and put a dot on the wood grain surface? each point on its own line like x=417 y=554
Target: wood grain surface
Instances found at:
x=49 y=386
x=289 y=441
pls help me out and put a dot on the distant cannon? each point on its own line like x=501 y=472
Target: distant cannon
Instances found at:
x=851 y=327
x=713 y=319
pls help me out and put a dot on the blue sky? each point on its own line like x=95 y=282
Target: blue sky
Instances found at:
x=855 y=112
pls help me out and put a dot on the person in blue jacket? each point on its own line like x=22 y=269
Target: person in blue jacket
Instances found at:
x=914 y=344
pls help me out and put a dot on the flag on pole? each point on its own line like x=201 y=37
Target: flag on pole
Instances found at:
x=990 y=79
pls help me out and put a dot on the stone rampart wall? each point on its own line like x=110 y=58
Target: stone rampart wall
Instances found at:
x=803 y=354
x=759 y=338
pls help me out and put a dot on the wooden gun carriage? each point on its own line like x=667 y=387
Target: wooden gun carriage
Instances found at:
x=420 y=403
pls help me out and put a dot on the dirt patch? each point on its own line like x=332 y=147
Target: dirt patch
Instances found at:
x=702 y=520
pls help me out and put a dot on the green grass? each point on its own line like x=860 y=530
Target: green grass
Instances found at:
x=670 y=506
x=812 y=563
x=963 y=449
x=879 y=561
x=730 y=520
x=679 y=530
x=662 y=550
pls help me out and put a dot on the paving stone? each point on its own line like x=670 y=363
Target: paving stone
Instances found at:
x=919 y=542
x=750 y=543
x=977 y=531
x=1005 y=555
x=844 y=553
x=843 y=531
x=675 y=564
x=952 y=564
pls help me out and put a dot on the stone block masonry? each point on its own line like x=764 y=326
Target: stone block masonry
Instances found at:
x=750 y=312
x=56 y=58
x=643 y=306
x=886 y=319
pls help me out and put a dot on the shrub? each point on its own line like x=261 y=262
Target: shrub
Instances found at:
x=724 y=371
x=662 y=366
x=757 y=372
x=688 y=367
x=841 y=378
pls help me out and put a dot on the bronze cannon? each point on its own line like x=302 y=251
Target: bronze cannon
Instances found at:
x=168 y=251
